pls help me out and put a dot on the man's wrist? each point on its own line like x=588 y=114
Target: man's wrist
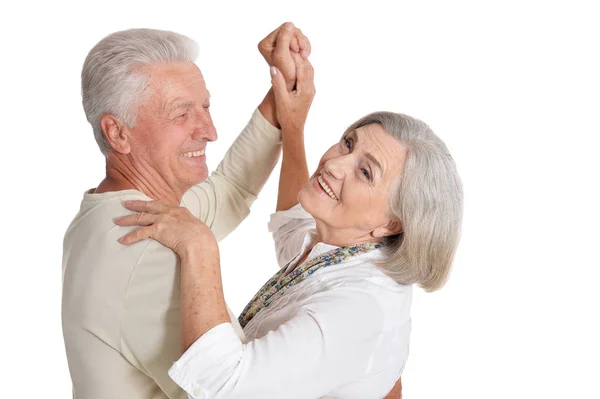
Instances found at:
x=268 y=110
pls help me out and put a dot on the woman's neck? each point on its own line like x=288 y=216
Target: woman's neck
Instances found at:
x=342 y=237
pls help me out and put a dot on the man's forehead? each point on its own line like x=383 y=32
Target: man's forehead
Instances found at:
x=173 y=88
x=176 y=75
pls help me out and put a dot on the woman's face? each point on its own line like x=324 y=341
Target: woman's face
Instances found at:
x=348 y=194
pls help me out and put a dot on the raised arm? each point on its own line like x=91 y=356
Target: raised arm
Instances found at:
x=292 y=110
x=223 y=200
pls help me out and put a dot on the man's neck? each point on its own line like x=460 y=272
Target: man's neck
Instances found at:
x=120 y=176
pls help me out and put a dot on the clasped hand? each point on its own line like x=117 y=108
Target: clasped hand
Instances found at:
x=286 y=50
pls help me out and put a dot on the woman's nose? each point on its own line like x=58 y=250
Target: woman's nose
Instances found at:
x=336 y=167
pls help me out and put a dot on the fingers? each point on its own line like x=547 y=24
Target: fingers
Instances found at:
x=279 y=85
x=137 y=219
x=284 y=40
x=304 y=43
x=305 y=74
x=266 y=45
x=146 y=206
x=137 y=235
x=295 y=44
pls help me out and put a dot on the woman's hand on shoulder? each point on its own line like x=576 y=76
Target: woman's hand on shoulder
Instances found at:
x=171 y=225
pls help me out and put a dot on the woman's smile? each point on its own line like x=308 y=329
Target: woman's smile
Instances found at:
x=322 y=184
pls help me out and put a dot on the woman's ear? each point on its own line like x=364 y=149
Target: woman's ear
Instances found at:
x=115 y=133
x=392 y=228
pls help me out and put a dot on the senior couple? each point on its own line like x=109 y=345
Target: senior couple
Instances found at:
x=144 y=315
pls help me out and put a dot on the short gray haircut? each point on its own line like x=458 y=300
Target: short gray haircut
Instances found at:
x=427 y=198
x=113 y=79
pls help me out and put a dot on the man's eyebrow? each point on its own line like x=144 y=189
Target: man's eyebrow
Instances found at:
x=367 y=154
x=184 y=104
x=176 y=103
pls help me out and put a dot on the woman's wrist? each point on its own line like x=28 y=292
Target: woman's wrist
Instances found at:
x=199 y=253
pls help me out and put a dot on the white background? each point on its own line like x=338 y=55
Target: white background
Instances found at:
x=512 y=87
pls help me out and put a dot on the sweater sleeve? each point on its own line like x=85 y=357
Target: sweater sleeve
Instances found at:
x=223 y=200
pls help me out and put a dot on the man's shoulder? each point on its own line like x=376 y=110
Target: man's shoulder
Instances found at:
x=97 y=211
x=91 y=242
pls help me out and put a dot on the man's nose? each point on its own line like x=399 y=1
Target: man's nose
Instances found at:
x=208 y=133
x=204 y=129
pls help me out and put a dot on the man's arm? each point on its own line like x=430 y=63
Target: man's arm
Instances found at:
x=223 y=200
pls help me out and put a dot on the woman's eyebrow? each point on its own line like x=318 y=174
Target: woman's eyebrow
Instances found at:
x=367 y=154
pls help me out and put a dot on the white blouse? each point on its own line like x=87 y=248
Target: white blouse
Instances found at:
x=342 y=332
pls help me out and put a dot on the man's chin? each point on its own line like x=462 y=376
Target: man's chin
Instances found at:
x=198 y=177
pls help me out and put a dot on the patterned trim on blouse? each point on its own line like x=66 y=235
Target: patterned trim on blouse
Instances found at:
x=280 y=283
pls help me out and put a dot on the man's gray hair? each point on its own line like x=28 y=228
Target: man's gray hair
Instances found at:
x=427 y=198
x=114 y=80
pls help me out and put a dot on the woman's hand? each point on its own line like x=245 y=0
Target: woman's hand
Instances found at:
x=292 y=106
x=202 y=302
x=277 y=49
x=173 y=226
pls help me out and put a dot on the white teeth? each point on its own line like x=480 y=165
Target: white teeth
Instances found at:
x=193 y=154
x=326 y=188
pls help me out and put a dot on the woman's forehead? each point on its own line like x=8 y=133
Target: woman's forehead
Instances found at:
x=379 y=144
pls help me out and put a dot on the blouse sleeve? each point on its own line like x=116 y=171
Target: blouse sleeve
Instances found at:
x=289 y=229
x=326 y=344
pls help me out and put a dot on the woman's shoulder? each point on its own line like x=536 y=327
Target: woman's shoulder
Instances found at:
x=363 y=274
x=367 y=284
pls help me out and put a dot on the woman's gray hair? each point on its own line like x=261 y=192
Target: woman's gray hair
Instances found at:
x=113 y=79
x=427 y=198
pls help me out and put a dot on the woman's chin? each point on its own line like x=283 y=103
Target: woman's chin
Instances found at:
x=313 y=203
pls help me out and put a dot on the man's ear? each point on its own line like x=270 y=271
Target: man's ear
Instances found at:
x=392 y=228
x=116 y=134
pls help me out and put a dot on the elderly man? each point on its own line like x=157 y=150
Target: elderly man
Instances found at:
x=149 y=108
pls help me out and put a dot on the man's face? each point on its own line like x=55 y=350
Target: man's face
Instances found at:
x=173 y=127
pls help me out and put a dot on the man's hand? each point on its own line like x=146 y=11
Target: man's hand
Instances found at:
x=277 y=49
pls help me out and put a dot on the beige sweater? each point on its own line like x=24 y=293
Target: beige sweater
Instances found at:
x=120 y=307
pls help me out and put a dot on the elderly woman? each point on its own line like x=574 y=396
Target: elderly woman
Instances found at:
x=381 y=212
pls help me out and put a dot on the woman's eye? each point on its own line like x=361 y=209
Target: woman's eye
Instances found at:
x=347 y=143
x=366 y=173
